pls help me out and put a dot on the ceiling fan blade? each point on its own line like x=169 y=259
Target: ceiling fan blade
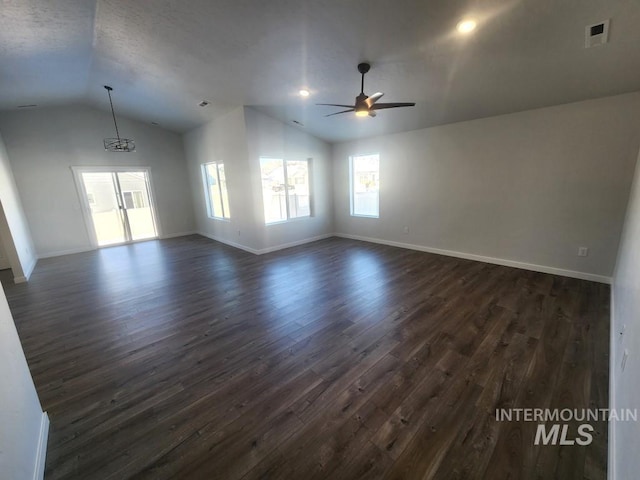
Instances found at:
x=381 y=106
x=344 y=111
x=335 y=105
x=373 y=99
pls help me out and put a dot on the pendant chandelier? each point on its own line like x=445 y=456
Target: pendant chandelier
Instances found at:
x=117 y=144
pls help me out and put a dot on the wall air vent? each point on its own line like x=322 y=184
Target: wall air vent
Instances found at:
x=596 y=34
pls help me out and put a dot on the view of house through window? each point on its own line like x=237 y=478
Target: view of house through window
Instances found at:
x=215 y=184
x=365 y=185
x=134 y=199
x=285 y=200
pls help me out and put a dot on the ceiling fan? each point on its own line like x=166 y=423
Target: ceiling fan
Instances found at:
x=366 y=105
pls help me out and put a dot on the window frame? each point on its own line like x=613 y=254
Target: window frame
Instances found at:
x=211 y=213
x=309 y=162
x=351 y=185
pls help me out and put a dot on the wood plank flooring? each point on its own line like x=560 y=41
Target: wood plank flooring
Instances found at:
x=188 y=359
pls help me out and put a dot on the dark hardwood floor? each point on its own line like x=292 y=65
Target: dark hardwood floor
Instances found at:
x=188 y=359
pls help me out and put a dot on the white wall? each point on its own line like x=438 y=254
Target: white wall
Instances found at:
x=224 y=140
x=24 y=427
x=529 y=187
x=14 y=231
x=267 y=137
x=43 y=144
x=624 y=437
x=238 y=139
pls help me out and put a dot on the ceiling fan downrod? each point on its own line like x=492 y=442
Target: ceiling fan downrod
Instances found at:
x=363 y=68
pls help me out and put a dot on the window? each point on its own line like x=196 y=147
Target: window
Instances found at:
x=215 y=186
x=365 y=185
x=134 y=199
x=284 y=200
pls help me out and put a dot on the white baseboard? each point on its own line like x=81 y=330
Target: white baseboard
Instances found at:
x=29 y=269
x=262 y=251
x=450 y=253
x=180 y=234
x=479 y=258
x=294 y=244
x=60 y=253
x=41 y=455
x=27 y=273
x=227 y=242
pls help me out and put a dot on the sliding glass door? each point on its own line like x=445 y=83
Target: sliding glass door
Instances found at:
x=119 y=203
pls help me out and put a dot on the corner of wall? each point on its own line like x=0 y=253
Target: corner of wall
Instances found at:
x=625 y=310
x=611 y=435
x=23 y=437
x=41 y=454
x=223 y=138
x=14 y=229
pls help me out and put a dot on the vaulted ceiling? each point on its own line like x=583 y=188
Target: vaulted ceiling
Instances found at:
x=165 y=56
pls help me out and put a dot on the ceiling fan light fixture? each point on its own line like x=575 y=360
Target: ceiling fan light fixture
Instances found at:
x=366 y=105
x=361 y=108
x=467 y=25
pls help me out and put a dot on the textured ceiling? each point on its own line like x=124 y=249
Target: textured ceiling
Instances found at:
x=164 y=56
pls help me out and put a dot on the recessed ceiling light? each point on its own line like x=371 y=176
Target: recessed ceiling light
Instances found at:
x=466 y=26
x=304 y=92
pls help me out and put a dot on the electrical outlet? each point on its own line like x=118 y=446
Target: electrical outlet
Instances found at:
x=625 y=355
x=583 y=251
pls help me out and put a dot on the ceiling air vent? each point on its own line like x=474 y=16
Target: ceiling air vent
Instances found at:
x=596 y=34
